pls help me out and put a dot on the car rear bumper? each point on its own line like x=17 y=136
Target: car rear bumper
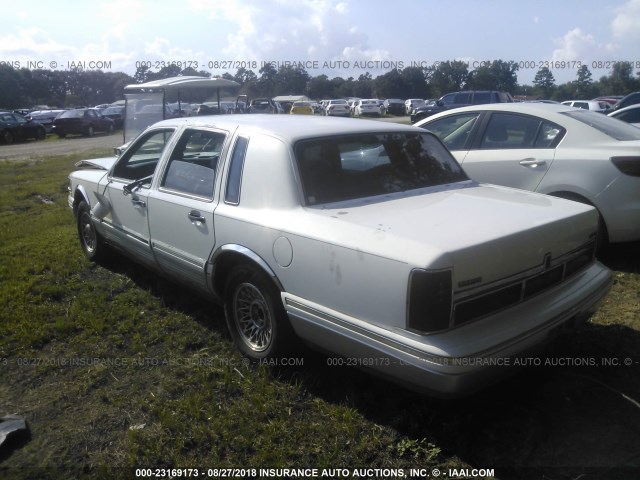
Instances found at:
x=418 y=362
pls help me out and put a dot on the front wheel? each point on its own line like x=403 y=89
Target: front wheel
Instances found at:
x=7 y=137
x=255 y=316
x=90 y=240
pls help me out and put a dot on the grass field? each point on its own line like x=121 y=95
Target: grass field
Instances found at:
x=116 y=369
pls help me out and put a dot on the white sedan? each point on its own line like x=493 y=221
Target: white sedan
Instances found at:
x=367 y=107
x=552 y=149
x=364 y=239
x=593 y=105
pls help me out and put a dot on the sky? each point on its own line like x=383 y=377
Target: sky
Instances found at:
x=337 y=38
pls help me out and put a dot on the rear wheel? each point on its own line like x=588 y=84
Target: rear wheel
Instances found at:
x=255 y=316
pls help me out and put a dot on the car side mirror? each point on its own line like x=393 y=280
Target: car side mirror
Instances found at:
x=440 y=103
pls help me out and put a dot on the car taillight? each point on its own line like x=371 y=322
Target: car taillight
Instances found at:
x=627 y=165
x=430 y=295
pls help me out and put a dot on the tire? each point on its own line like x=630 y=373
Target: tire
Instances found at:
x=41 y=135
x=255 y=317
x=62 y=135
x=90 y=240
x=7 y=137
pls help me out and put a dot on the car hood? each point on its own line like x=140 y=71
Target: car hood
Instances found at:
x=478 y=230
x=99 y=163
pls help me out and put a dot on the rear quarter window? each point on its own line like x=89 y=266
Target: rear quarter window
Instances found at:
x=612 y=127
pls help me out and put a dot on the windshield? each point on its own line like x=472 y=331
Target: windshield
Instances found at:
x=609 y=126
x=358 y=166
x=72 y=114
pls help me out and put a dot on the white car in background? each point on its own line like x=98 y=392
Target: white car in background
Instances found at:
x=552 y=149
x=367 y=107
x=364 y=239
x=593 y=105
x=411 y=103
x=337 y=108
x=629 y=114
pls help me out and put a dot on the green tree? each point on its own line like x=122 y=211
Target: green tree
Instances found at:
x=499 y=75
x=291 y=80
x=244 y=76
x=10 y=91
x=363 y=87
x=267 y=80
x=390 y=85
x=544 y=81
x=583 y=84
x=447 y=77
x=319 y=87
x=415 y=85
x=621 y=78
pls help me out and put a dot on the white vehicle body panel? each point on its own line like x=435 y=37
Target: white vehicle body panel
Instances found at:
x=578 y=167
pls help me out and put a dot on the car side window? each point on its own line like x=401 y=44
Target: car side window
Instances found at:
x=510 y=131
x=630 y=116
x=193 y=163
x=234 y=179
x=454 y=130
x=141 y=159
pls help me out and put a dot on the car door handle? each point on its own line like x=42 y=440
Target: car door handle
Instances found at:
x=196 y=217
x=138 y=203
x=531 y=162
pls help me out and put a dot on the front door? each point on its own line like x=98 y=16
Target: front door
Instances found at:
x=128 y=191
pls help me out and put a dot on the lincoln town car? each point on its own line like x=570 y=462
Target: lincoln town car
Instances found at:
x=360 y=238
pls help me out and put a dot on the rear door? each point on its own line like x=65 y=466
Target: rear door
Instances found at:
x=181 y=208
x=512 y=149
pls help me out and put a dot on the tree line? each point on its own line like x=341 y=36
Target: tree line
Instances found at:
x=24 y=88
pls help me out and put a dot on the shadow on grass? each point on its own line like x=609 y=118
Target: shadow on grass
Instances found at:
x=174 y=295
x=575 y=415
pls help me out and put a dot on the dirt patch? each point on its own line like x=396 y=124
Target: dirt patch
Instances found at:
x=55 y=146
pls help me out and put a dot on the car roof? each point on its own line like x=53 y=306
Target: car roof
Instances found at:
x=524 y=107
x=625 y=109
x=287 y=127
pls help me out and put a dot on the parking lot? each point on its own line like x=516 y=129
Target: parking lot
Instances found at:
x=576 y=410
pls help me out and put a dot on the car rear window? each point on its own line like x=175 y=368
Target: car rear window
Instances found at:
x=359 y=166
x=609 y=126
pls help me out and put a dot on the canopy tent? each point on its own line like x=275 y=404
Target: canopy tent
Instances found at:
x=146 y=102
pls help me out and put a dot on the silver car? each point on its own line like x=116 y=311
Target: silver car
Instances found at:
x=553 y=149
x=364 y=239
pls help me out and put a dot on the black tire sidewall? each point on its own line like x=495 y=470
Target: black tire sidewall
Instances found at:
x=83 y=209
x=281 y=329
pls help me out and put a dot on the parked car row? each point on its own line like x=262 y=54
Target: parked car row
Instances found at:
x=14 y=126
x=37 y=124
